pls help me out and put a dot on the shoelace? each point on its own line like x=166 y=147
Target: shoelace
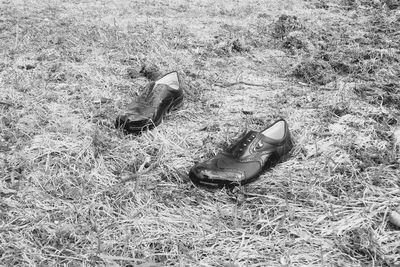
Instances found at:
x=244 y=143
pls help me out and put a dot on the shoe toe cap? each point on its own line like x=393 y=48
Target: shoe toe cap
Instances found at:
x=211 y=174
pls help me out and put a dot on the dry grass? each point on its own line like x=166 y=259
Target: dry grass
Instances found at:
x=74 y=191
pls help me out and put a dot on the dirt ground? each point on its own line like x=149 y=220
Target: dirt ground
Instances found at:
x=75 y=191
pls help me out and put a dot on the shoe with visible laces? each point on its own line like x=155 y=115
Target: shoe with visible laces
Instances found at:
x=149 y=108
x=246 y=159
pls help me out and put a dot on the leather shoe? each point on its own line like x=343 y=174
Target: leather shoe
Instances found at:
x=246 y=159
x=149 y=108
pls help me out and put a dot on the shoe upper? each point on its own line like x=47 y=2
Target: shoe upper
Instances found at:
x=149 y=107
x=246 y=158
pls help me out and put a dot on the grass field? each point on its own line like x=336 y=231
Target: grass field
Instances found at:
x=74 y=191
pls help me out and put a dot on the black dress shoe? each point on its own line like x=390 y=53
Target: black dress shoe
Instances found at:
x=149 y=108
x=246 y=159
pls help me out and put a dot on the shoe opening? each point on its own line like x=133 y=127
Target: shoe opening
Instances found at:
x=171 y=79
x=276 y=131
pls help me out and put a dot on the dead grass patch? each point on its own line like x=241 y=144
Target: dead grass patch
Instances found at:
x=75 y=191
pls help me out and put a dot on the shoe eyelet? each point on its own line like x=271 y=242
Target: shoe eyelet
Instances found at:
x=260 y=145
